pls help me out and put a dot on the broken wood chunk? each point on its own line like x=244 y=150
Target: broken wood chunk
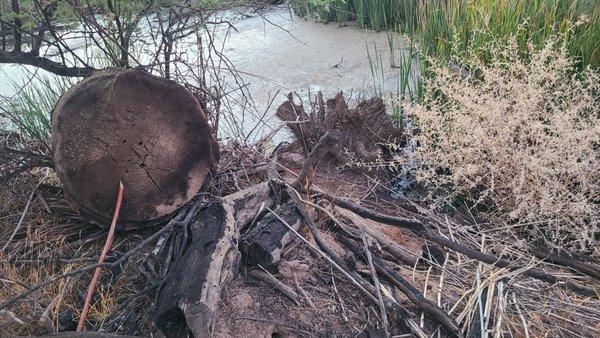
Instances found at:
x=262 y=245
x=130 y=126
x=248 y=203
x=205 y=258
x=187 y=301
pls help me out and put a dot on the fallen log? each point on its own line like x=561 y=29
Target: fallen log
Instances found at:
x=127 y=125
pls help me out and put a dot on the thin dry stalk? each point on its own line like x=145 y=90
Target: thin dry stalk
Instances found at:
x=107 y=245
x=383 y=313
x=18 y=227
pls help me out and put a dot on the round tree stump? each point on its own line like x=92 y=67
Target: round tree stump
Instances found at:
x=127 y=125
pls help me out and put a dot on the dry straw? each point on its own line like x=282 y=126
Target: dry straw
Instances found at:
x=518 y=137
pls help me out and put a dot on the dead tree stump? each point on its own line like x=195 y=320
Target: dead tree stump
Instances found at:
x=127 y=125
x=364 y=128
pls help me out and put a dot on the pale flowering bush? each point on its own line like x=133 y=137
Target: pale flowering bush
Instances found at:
x=520 y=136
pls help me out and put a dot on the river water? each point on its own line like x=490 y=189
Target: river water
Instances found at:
x=282 y=54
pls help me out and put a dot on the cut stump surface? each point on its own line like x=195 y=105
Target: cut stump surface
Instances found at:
x=127 y=125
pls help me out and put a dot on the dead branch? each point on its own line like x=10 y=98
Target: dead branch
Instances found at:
x=563 y=258
x=318 y=151
x=18 y=226
x=51 y=66
x=375 y=279
x=275 y=283
x=418 y=229
x=414 y=295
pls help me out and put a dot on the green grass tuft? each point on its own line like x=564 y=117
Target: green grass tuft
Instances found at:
x=28 y=112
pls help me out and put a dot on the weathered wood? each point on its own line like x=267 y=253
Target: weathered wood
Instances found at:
x=130 y=126
x=419 y=229
x=392 y=248
x=186 y=303
x=275 y=283
x=248 y=202
x=413 y=294
x=206 y=258
x=262 y=245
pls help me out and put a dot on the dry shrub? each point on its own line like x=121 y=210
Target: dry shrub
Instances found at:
x=520 y=136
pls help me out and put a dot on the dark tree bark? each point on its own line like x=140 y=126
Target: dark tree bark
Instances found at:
x=262 y=245
x=187 y=301
x=17 y=34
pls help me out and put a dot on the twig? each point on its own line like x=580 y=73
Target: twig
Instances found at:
x=275 y=283
x=45 y=320
x=318 y=151
x=18 y=227
x=107 y=245
x=304 y=293
x=339 y=298
x=386 y=330
x=520 y=313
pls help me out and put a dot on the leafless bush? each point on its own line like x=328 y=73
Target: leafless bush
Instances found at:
x=519 y=136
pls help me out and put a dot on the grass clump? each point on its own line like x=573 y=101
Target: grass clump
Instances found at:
x=28 y=111
x=519 y=136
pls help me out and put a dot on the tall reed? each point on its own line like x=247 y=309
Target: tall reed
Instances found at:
x=444 y=27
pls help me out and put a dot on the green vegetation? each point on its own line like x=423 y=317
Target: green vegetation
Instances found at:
x=445 y=28
x=29 y=111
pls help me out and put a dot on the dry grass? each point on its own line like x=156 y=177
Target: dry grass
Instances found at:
x=51 y=243
x=518 y=138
